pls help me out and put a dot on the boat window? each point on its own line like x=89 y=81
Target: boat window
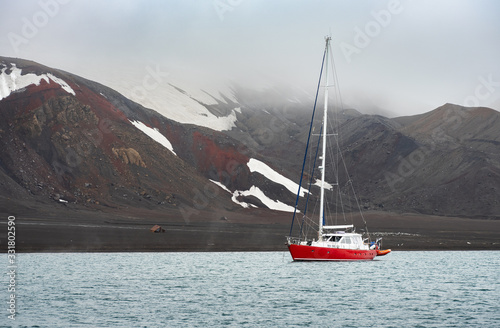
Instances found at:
x=346 y=240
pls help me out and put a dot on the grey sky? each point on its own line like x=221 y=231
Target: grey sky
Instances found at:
x=402 y=57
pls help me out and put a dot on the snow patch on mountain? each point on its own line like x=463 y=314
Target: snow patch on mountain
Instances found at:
x=176 y=101
x=260 y=167
x=154 y=134
x=242 y=204
x=272 y=204
x=221 y=185
x=211 y=93
x=62 y=83
x=178 y=106
x=234 y=195
x=16 y=81
x=257 y=193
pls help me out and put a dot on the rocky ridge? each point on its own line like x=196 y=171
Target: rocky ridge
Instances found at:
x=82 y=150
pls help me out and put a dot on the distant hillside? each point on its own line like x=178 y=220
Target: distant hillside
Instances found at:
x=67 y=141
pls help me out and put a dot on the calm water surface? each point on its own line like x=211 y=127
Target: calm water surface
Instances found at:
x=403 y=289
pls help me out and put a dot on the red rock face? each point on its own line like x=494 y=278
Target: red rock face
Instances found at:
x=87 y=151
x=83 y=149
x=108 y=115
x=32 y=97
x=99 y=104
x=219 y=161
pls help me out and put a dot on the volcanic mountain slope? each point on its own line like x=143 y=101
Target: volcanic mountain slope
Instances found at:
x=445 y=162
x=276 y=125
x=456 y=168
x=68 y=140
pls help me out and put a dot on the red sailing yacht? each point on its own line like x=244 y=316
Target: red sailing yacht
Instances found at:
x=332 y=242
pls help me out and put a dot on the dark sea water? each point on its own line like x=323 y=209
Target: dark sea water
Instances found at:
x=402 y=289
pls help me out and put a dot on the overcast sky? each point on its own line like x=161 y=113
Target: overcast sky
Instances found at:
x=403 y=57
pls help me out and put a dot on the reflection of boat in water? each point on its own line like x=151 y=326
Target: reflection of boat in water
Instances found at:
x=335 y=242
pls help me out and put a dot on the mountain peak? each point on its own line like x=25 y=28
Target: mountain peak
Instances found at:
x=13 y=80
x=65 y=137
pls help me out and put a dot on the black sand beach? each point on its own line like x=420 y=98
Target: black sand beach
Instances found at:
x=66 y=229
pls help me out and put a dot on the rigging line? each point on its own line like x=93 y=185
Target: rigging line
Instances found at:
x=310 y=224
x=307 y=145
x=312 y=172
x=310 y=221
x=355 y=196
x=341 y=105
x=339 y=94
x=337 y=173
x=333 y=152
x=335 y=79
x=336 y=90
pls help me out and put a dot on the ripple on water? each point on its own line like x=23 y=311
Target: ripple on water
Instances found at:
x=404 y=289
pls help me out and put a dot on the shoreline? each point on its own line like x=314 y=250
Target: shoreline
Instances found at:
x=76 y=231
x=229 y=251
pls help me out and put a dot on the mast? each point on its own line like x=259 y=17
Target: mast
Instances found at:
x=323 y=154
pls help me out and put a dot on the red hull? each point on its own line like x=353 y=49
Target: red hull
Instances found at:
x=313 y=253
